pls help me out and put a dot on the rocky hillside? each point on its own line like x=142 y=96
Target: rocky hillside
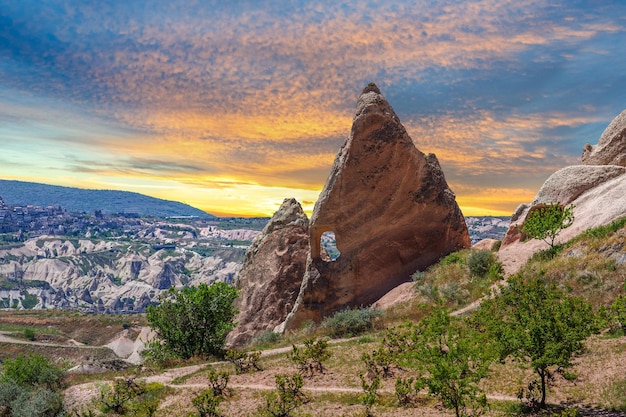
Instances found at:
x=119 y=274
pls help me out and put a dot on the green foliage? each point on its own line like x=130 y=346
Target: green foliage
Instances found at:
x=534 y=321
x=218 y=382
x=28 y=387
x=453 y=258
x=156 y=354
x=482 y=262
x=546 y=222
x=351 y=322
x=40 y=402
x=380 y=362
x=194 y=320
x=406 y=391
x=206 y=403
x=131 y=397
x=451 y=358
x=245 y=362
x=618 y=312
x=29 y=301
x=370 y=393
x=32 y=371
x=603 y=231
x=265 y=339
x=287 y=397
x=29 y=334
x=310 y=357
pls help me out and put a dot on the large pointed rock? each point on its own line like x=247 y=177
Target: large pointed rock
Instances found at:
x=391 y=211
x=272 y=272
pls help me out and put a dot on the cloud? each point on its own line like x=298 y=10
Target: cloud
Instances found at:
x=259 y=95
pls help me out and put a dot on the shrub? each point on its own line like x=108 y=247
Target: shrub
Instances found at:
x=351 y=322
x=479 y=262
x=29 y=334
x=244 y=362
x=40 y=402
x=370 y=393
x=132 y=397
x=405 y=392
x=309 y=358
x=265 y=339
x=618 y=312
x=379 y=362
x=194 y=320
x=32 y=370
x=218 y=382
x=206 y=403
x=288 y=396
x=452 y=258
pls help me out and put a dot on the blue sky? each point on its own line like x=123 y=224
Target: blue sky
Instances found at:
x=233 y=106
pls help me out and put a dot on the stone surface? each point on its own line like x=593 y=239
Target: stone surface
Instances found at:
x=270 y=278
x=567 y=184
x=390 y=208
x=596 y=189
x=611 y=147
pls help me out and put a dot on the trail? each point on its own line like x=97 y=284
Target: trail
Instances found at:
x=71 y=343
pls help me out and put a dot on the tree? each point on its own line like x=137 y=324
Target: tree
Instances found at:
x=452 y=359
x=194 y=320
x=534 y=321
x=546 y=222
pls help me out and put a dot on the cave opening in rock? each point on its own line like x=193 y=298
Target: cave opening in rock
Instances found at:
x=328 y=242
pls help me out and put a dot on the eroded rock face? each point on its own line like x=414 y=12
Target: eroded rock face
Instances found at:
x=270 y=278
x=596 y=189
x=391 y=211
x=611 y=147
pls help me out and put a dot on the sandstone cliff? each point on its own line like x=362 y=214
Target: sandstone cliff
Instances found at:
x=390 y=209
x=596 y=189
x=270 y=278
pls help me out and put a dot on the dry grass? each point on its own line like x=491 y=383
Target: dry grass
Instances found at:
x=90 y=329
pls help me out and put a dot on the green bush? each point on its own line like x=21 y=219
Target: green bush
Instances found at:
x=29 y=334
x=347 y=323
x=194 y=321
x=310 y=357
x=40 y=402
x=287 y=397
x=453 y=258
x=265 y=339
x=480 y=262
x=206 y=403
x=244 y=362
x=131 y=397
x=218 y=382
x=32 y=371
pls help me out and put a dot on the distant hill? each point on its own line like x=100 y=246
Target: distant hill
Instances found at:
x=80 y=200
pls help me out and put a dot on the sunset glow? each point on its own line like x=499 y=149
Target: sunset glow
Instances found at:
x=233 y=106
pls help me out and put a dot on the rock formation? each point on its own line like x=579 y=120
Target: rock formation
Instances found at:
x=270 y=278
x=596 y=189
x=391 y=211
x=611 y=147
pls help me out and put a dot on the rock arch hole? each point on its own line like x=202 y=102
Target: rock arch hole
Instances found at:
x=329 y=243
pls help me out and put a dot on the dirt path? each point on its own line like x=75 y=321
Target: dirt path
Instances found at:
x=70 y=343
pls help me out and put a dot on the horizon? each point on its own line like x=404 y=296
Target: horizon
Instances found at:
x=232 y=107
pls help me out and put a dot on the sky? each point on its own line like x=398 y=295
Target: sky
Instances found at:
x=232 y=106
